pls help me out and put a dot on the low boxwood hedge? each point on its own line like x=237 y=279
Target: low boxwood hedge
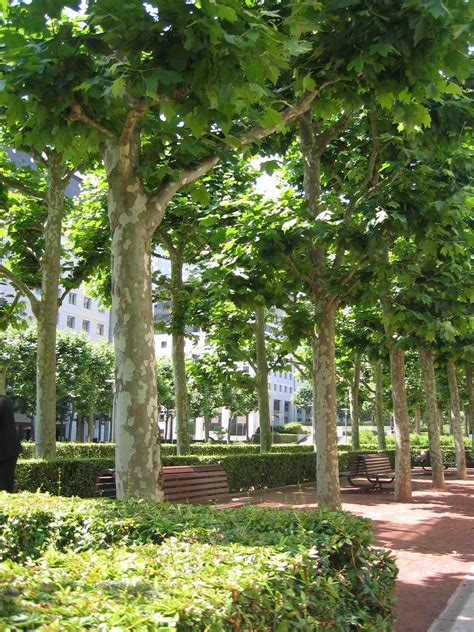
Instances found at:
x=102 y=564
x=76 y=476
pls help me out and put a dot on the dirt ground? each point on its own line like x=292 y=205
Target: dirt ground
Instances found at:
x=432 y=538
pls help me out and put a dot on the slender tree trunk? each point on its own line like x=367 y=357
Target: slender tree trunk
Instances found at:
x=90 y=426
x=3 y=380
x=207 y=427
x=79 y=428
x=262 y=381
x=354 y=402
x=456 y=421
x=436 y=456
x=470 y=395
x=314 y=373
x=178 y=321
x=247 y=436
x=418 y=419
x=327 y=473
x=47 y=312
x=379 y=405
x=138 y=464
x=403 y=487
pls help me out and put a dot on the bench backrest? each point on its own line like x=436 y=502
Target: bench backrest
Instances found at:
x=181 y=483
x=366 y=464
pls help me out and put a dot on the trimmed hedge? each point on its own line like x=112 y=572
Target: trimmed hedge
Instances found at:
x=76 y=476
x=110 y=565
x=71 y=450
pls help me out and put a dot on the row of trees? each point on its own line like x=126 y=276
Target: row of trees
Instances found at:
x=363 y=106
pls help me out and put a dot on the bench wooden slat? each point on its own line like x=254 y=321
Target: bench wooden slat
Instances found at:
x=183 y=483
x=373 y=468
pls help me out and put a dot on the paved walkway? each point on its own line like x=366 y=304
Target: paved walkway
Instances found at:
x=432 y=538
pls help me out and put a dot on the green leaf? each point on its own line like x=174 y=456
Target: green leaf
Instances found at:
x=227 y=13
x=117 y=86
x=271 y=119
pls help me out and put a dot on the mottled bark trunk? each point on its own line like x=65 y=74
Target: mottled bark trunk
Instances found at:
x=262 y=381
x=3 y=380
x=354 y=402
x=456 y=421
x=47 y=313
x=436 y=456
x=418 y=419
x=314 y=373
x=138 y=465
x=327 y=472
x=178 y=322
x=90 y=427
x=403 y=487
x=79 y=428
x=470 y=396
x=207 y=427
x=379 y=405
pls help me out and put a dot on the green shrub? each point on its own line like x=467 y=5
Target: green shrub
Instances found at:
x=110 y=565
x=72 y=450
x=293 y=427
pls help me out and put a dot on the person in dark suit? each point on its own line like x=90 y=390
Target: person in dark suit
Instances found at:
x=10 y=446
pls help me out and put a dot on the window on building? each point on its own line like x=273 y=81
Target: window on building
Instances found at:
x=276 y=405
x=291 y=389
x=281 y=388
x=86 y=325
x=286 y=389
x=100 y=329
x=87 y=302
x=164 y=344
x=274 y=387
x=70 y=322
x=287 y=407
x=72 y=298
x=245 y=369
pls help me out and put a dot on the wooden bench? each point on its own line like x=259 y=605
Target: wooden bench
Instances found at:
x=375 y=469
x=424 y=459
x=195 y=484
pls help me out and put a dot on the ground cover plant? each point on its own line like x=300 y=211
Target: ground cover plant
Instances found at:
x=101 y=564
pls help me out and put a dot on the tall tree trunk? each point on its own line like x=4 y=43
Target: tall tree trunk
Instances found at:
x=418 y=419
x=456 y=421
x=138 y=464
x=47 y=312
x=314 y=373
x=207 y=427
x=327 y=471
x=262 y=381
x=403 y=487
x=90 y=426
x=379 y=405
x=354 y=402
x=470 y=395
x=436 y=456
x=178 y=322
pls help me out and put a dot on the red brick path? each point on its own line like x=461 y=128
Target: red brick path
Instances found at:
x=432 y=538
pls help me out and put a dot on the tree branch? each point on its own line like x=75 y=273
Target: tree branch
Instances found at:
x=22 y=187
x=133 y=116
x=297 y=271
x=288 y=116
x=12 y=306
x=324 y=138
x=22 y=287
x=77 y=113
x=159 y=201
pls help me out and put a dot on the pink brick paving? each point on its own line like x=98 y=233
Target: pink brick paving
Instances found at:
x=432 y=538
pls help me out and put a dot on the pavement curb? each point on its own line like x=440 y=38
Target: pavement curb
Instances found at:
x=458 y=616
